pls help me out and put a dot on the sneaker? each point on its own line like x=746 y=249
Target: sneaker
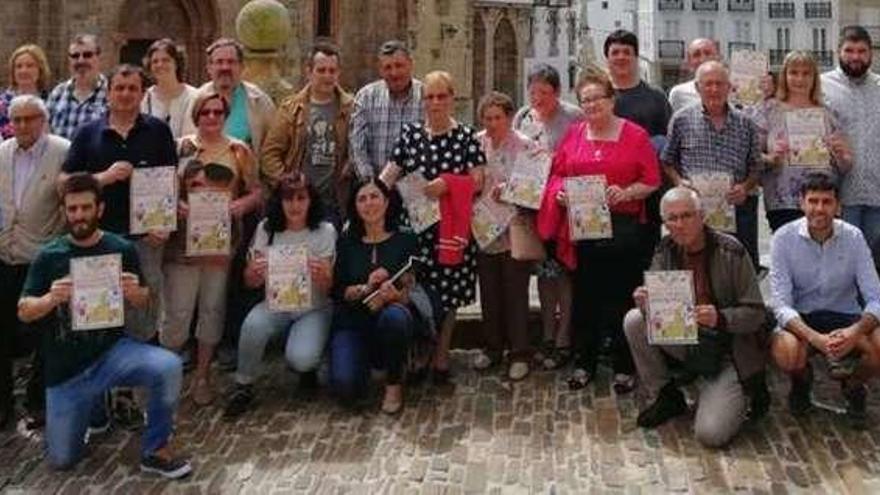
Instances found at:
x=202 y=394
x=623 y=383
x=240 y=401
x=856 y=412
x=518 y=370
x=484 y=361
x=97 y=429
x=799 y=398
x=669 y=404
x=164 y=463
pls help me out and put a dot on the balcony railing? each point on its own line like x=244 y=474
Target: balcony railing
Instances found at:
x=777 y=55
x=705 y=5
x=741 y=5
x=735 y=46
x=670 y=4
x=825 y=58
x=817 y=10
x=781 y=10
x=671 y=49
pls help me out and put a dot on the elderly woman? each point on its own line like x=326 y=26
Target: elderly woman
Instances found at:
x=170 y=97
x=606 y=270
x=28 y=75
x=374 y=320
x=444 y=151
x=211 y=159
x=799 y=87
x=504 y=281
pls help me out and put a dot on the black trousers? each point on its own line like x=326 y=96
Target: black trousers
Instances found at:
x=16 y=340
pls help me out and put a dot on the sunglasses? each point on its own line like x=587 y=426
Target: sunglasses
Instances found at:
x=211 y=112
x=81 y=55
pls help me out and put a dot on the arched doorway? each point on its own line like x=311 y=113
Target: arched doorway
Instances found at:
x=191 y=23
x=505 y=78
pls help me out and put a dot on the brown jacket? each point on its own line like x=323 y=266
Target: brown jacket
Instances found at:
x=285 y=147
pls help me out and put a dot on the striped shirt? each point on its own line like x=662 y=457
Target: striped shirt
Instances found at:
x=66 y=113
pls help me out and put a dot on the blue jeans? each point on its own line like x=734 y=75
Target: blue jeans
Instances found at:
x=382 y=345
x=129 y=363
x=747 y=227
x=306 y=337
x=866 y=218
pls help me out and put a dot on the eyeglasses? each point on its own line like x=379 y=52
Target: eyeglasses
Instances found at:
x=593 y=99
x=211 y=112
x=676 y=217
x=438 y=97
x=81 y=55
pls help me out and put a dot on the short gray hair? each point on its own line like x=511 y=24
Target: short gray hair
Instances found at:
x=21 y=101
x=681 y=193
x=710 y=66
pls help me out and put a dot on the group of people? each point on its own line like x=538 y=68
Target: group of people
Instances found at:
x=323 y=170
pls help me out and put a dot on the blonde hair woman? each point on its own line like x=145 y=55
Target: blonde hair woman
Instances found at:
x=29 y=74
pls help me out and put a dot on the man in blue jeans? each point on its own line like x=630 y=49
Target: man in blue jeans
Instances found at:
x=826 y=296
x=80 y=366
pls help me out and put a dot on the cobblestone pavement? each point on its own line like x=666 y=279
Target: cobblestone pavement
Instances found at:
x=486 y=436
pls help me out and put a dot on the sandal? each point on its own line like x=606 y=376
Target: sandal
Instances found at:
x=579 y=379
x=556 y=358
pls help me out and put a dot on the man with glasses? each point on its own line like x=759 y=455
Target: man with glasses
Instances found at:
x=29 y=167
x=83 y=97
x=728 y=307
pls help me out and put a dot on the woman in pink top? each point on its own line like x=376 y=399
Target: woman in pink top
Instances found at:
x=605 y=270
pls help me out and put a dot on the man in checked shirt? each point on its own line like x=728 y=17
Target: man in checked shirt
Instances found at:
x=83 y=97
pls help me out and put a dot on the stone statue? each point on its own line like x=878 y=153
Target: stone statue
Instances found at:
x=264 y=27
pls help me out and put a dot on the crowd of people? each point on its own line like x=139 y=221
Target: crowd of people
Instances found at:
x=326 y=170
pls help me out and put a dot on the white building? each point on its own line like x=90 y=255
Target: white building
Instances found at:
x=772 y=26
x=555 y=39
x=604 y=17
x=864 y=13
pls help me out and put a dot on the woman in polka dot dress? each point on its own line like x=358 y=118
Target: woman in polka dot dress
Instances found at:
x=440 y=145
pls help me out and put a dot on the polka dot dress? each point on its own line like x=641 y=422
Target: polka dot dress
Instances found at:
x=455 y=152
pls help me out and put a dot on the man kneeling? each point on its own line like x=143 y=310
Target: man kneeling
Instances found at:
x=729 y=312
x=81 y=366
x=826 y=297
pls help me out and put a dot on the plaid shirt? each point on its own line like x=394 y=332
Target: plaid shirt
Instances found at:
x=696 y=146
x=376 y=123
x=66 y=113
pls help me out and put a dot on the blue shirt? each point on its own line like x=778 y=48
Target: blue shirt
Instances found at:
x=96 y=146
x=806 y=276
x=237 y=124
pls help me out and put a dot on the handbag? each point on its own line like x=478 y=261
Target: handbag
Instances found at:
x=525 y=245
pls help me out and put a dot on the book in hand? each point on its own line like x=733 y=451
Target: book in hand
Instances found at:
x=153 y=200
x=209 y=224
x=588 y=213
x=806 y=138
x=394 y=278
x=747 y=69
x=713 y=188
x=288 y=279
x=423 y=211
x=528 y=178
x=96 y=299
x=490 y=220
x=671 y=319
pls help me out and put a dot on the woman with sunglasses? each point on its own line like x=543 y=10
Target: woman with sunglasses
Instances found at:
x=170 y=97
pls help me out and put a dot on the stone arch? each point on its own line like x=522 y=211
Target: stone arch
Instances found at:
x=191 y=23
x=505 y=59
x=478 y=73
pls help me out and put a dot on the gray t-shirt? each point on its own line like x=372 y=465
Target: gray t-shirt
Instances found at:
x=321 y=150
x=548 y=133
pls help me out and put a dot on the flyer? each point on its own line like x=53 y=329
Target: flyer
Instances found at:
x=288 y=280
x=747 y=69
x=423 y=211
x=209 y=224
x=671 y=315
x=528 y=178
x=96 y=299
x=713 y=188
x=806 y=138
x=490 y=220
x=153 y=200
x=588 y=213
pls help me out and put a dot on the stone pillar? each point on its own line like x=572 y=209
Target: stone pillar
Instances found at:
x=263 y=27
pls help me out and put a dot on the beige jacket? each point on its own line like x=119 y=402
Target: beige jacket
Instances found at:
x=39 y=219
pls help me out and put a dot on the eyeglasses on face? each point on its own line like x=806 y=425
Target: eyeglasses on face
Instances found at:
x=211 y=112
x=679 y=217
x=85 y=55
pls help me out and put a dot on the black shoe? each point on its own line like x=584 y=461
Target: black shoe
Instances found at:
x=307 y=388
x=168 y=467
x=669 y=404
x=240 y=401
x=799 y=401
x=856 y=411
x=97 y=429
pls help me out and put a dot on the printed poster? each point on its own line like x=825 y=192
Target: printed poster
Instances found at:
x=153 y=200
x=588 y=213
x=806 y=138
x=671 y=315
x=490 y=220
x=423 y=211
x=528 y=178
x=288 y=280
x=713 y=188
x=96 y=301
x=747 y=69
x=209 y=224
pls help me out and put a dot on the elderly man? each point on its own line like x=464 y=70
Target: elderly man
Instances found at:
x=310 y=133
x=29 y=166
x=729 y=311
x=826 y=297
x=83 y=97
x=699 y=50
x=852 y=92
x=714 y=137
x=382 y=107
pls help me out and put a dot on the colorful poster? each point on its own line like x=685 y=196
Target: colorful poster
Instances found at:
x=713 y=188
x=209 y=224
x=288 y=280
x=806 y=138
x=153 y=200
x=588 y=214
x=747 y=69
x=490 y=220
x=671 y=315
x=528 y=178
x=96 y=301
x=423 y=211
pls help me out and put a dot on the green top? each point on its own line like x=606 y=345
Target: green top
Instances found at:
x=237 y=124
x=354 y=263
x=68 y=353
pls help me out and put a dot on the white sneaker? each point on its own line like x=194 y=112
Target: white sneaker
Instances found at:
x=482 y=361
x=518 y=370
